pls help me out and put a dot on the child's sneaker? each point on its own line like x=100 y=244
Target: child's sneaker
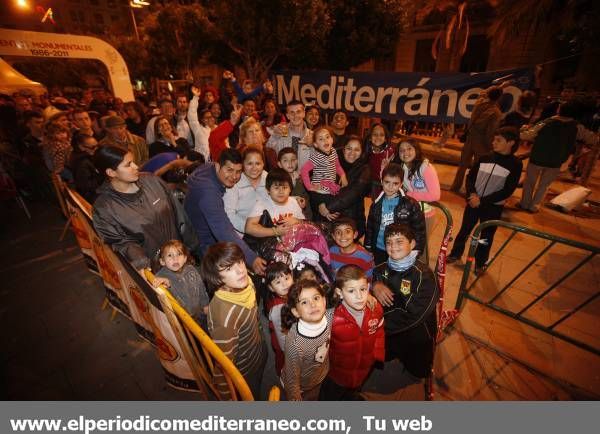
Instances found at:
x=479 y=270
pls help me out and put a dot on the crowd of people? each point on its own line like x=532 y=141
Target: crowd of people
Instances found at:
x=236 y=204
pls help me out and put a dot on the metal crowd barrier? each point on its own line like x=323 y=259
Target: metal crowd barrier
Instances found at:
x=465 y=291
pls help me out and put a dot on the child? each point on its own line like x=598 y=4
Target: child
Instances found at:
x=287 y=159
x=324 y=165
x=347 y=250
x=392 y=206
x=408 y=292
x=357 y=337
x=304 y=271
x=186 y=285
x=307 y=341
x=379 y=153
x=279 y=280
x=420 y=179
x=491 y=180
x=283 y=209
x=233 y=315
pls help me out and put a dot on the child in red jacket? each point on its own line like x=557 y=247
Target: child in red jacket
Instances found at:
x=357 y=337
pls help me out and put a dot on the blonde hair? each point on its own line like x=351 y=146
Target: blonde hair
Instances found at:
x=245 y=126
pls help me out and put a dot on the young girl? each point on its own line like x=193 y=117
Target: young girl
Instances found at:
x=233 y=314
x=279 y=279
x=324 y=164
x=379 y=153
x=307 y=341
x=185 y=282
x=420 y=179
x=357 y=337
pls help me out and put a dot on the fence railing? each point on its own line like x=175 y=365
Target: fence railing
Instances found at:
x=466 y=289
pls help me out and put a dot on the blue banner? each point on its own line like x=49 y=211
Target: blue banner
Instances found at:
x=419 y=96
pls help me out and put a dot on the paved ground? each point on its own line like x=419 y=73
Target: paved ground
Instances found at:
x=59 y=345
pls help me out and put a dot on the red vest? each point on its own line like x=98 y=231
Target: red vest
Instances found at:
x=354 y=349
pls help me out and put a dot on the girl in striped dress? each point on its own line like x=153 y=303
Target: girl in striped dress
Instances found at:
x=320 y=172
x=307 y=341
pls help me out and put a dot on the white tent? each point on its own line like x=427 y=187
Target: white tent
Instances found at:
x=12 y=81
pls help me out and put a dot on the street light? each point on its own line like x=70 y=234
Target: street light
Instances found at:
x=138 y=4
x=22 y=4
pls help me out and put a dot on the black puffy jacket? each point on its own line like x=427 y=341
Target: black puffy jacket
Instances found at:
x=350 y=201
x=408 y=211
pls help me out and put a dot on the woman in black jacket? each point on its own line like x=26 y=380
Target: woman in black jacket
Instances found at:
x=349 y=202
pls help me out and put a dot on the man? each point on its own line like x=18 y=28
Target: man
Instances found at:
x=553 y=142
x=117 y=135
x=485 y=119
x=204 y=205
x=183 y=128
x=82 y=124
x=567 y=94
x=35 y=174
x=339 y=123
x=294 y=134
x=167 y=110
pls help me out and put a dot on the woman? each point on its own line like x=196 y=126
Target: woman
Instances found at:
x=202 y=125
x=87 y=179
x=167 y=139
x=349 y=202
x=136 y=119
x=135 y=213
x=241 y=198
x=420 y=180
x=270 y=117
x=313 y=117
x=250 y=135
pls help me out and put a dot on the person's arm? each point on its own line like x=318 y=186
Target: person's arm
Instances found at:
x=254 y=228
x=227 y=339
x=192 y=118
x=510 y=185
x=421 y=304
x=369 y=241
x=173 y=164
x=118 y=239
x=275 y=318
x=530 y=133
x=356 y=190
x=305 y=175
x=417 y=224
x=379 y=350
x=231 y=199
x=220 y=226
x=339 y=169
x=150 y=138
x=432 y=184
x=292 y=371
x=471 y=178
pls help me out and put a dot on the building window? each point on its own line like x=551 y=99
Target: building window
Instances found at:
x=82 y=16
x=74 y=15
x=476 y=57
x=114 y=18
x=95 y=2
x=423 y=60
x=99 y=18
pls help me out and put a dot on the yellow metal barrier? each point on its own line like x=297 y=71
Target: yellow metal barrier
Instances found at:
x=209 y=357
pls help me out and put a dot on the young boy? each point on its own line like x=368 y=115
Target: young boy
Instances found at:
x=233 y=321
x=357 y=337
x=283 y=209
x=408 y=292
x=392 y=206
x=287 y=159
x=492 y=179
x=347 y=250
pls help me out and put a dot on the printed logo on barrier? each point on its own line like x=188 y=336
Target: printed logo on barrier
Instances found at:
x=108 y=272
x=80 y=232
x=166 y=351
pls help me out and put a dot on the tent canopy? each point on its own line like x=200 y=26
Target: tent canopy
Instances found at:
x=12 y=81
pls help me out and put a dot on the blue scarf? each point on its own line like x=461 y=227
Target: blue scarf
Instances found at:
x=404 y=263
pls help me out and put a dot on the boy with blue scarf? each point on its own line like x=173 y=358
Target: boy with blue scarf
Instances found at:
x=408 y=292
